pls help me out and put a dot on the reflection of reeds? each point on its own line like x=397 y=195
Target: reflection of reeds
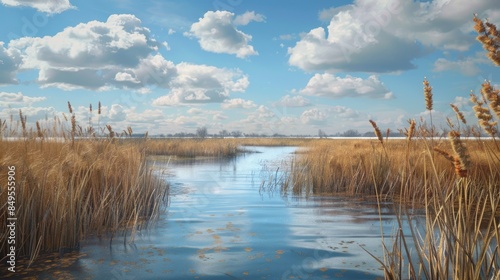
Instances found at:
x=68 y=190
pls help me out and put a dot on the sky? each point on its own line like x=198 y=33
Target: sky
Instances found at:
x=288 y=67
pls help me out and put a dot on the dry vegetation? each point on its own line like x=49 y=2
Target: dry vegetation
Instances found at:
x=67 y=189
x=457 y=182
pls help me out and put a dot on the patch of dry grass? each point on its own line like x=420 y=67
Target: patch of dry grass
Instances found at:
x=69 y=189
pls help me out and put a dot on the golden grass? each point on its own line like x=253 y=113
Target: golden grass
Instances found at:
x=66 y=191
x=216 y=147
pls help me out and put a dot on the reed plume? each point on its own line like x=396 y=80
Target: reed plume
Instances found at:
x=489 y=37
x=409 y=133
x=377 y=131
x=462 y=158
x=484 y=116
x=459 y=114
x=493 y=96
x=428 y=95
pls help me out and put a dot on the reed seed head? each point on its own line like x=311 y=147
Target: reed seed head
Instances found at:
x=411 y=131
x=428 y=95
x=459 y=114
x=445 y=154
x=38 y=130
x=377 y=131
x=460 y=150
x=99 y=108
x=70 y=108
x=489 y=37
x=493 y=96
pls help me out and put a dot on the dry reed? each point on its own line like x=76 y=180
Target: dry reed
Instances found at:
x=66 y=191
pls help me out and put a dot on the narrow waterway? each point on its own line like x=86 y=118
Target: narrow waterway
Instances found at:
x=219 y=226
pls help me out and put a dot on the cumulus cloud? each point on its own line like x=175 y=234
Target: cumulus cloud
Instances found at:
x=216 y=32
x=467 y=66
x=238 y=103
x=91 y=55
x=293 y=101
x=9 y=63
x=332 y=86
x=313 y=116
x=385 y=35
x=16 y=99
x=248 y=17
x=47 y=6
x=202 y=84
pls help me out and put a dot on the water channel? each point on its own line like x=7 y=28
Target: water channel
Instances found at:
x=219 y=226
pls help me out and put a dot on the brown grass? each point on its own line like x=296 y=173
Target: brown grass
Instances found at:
x=69 y=189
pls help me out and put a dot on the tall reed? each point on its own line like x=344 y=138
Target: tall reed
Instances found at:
x=67 y=190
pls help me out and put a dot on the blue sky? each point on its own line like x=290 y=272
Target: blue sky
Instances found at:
x=289 y=67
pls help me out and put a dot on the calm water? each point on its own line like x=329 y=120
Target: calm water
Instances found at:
x=218 y=226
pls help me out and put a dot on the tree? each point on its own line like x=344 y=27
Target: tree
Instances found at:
x=351 y=133
x=236 y=133
x=321 y=133
x=201 y=132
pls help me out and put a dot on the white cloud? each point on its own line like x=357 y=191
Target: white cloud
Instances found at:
x=117 y=113
x=171 y=31
x=248 y=17
x=9 y=63
x=47 y=6
x=313 y=116
x=386 y=35
x=90 y=55
x=202 y=84
x=216 y=32
x=467 y=66
x=293 y=101
x=15 y=99
x=238 y=103
x=332 y=86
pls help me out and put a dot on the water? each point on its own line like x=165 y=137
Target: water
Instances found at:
x=218 y=226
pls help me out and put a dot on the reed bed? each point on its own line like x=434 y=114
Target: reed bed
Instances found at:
x=69 y=189
x=454 y=180
x=214 y=147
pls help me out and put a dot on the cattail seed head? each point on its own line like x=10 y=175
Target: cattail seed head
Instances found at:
x=99 y=108
x=70 y=108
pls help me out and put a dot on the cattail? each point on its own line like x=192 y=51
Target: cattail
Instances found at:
x=484 y=116
x=462 y=159
x=23 y=120
x=459 y=114
x=493 y=96
x=70 y=108
x=377 y=131
x=99 y=108
x=90 y=107
x=387 y=133
x=129 y=129
x=428 y=95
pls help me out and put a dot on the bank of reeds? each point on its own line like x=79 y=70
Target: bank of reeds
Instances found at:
x=455 y=180
x=213 y=147
x=67 y=189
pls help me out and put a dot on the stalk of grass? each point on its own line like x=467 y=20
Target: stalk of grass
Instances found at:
x=66 y=191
